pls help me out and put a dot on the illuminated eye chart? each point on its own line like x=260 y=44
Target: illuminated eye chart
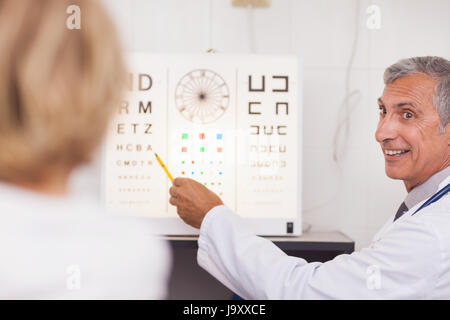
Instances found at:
x=231 y=122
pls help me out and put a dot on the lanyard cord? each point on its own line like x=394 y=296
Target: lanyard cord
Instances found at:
x=435 y=197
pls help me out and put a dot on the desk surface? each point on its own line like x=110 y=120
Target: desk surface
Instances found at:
x=309 y=241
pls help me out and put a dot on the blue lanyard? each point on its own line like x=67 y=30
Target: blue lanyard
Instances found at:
x=435 y=197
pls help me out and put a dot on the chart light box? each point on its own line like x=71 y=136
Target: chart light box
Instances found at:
x=231 y=122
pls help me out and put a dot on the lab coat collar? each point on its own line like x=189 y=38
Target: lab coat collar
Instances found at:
x=417 y=206
x=390 y=223
x=426 y=189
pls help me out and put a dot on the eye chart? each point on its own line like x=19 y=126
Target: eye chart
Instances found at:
x=231 y=122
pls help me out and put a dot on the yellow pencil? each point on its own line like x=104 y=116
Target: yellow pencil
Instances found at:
x=164 y=167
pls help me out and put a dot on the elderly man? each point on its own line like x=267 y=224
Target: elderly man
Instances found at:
x=409 y=258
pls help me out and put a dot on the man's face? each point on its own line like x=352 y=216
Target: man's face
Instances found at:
x=408 y=131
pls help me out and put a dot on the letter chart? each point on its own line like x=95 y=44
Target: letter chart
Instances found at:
x=228 y=121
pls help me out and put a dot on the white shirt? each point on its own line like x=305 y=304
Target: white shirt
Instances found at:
x=407 y=259
x=59 y=248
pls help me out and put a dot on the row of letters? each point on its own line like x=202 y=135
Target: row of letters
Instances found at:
x=253 y=148
x=144 y=82
x=254 y=107
x=146 y=128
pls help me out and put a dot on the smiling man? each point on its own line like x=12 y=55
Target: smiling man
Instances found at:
x=409 y=258
x=410 y=133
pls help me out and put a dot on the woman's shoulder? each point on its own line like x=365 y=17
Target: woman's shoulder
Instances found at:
x=46 y=240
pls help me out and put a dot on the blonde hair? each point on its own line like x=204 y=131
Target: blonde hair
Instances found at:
x=58 y=87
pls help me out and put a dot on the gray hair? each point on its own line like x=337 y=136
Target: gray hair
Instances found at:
x=435 y=67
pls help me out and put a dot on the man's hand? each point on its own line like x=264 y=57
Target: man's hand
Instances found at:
x=193 y=200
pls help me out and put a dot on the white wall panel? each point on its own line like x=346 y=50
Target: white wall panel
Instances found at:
x=321 y=32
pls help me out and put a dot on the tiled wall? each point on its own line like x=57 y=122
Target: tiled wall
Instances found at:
x=354 y=195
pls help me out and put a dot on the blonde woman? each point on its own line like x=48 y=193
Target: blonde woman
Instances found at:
x=57 y=94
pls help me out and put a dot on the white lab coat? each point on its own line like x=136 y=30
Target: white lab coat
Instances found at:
x=408 y=259
x=68 y=248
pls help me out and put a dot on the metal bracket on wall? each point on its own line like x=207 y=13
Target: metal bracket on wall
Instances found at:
x=252 y=3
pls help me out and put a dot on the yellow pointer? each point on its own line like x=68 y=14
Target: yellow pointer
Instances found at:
x=164 y=167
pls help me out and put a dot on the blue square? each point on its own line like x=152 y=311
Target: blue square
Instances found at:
x=219 y=136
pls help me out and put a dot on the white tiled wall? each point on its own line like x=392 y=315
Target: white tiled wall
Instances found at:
x=353 y=196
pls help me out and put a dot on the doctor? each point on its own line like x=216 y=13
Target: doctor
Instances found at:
x=409 y=258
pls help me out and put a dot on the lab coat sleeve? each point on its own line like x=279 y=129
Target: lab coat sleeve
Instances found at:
x=404 y=264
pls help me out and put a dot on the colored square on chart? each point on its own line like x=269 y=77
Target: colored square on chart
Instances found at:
x=202 y=149
x=202 y=136
x=184 y=149
x=219 y=149
x=219 y=136
x=184 y=136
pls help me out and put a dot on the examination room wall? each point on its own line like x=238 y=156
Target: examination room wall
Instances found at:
x=352 y=194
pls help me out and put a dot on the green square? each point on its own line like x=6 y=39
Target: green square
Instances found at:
x=202 y=149
x=184 y=136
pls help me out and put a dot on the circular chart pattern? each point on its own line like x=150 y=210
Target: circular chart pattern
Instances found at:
x=202 y=96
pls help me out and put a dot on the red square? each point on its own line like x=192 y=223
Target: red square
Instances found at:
x=202 y=136
x=219 y=149
x=183 y=149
